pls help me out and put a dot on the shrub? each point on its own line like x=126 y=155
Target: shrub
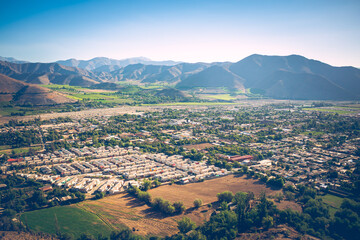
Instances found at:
x=185 y=225
x=197 y=203
x=226 y=196
x=179 y=207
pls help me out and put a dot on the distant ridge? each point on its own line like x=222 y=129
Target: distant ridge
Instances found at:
x=214 y=76
x=263 y=72
x=48 y=73
x=11 y=59
x=104 y=64
x=283 y=77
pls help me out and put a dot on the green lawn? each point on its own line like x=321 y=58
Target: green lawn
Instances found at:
x=314 y=133
x=4 y=147
x=71 y=220
x=332 y=200
x=8 y=150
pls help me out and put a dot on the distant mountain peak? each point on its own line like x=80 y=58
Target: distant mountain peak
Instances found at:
x=100 y=62
x=11 y=59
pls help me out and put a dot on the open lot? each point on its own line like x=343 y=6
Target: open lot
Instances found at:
x=207 y=190
x=200 y=146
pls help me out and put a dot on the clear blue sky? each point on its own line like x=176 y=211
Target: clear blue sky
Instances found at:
x=183 y=30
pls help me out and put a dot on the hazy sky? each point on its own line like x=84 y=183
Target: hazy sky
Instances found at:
x=182 y=30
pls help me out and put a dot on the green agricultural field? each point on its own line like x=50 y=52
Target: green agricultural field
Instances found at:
x=62 y=87
x=68 y=219
x=191 y=104
x=225 y=97
x=329 y=110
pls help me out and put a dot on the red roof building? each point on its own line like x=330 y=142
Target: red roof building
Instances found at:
x=14 y=159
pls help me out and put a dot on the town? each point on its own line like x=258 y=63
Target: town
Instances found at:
x=282 y=148
x=191 y=145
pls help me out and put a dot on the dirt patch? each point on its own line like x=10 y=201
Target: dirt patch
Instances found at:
x=208 y=189
x=288 y=204
x=200 y=146
x=281 y=232
x=24 y=236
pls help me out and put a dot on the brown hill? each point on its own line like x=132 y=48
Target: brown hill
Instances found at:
x=23 y=93
x=46 y=73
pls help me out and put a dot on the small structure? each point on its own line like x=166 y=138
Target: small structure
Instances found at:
x=46 y=188
x=238 y=158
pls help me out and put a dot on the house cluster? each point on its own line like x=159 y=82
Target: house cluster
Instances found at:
x=298 y=164
x=119 y=167
x=89 y=185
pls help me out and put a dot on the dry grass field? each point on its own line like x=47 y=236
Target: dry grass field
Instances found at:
x=208 y=189
x=200 y=146
x=10 y=235
x=123 y=209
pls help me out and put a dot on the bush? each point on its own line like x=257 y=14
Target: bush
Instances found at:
x=144 y=196
x=163 y=206
x=226 y=196
x=179 y=207
x=277 y=182
x=185 y=225
x=99 y=195
x=197 y=203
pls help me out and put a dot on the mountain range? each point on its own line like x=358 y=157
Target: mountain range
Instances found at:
x=280 y=77
x=102 y=64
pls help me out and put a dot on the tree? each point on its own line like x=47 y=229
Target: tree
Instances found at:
x=197 y=203
x=38 y=199
x=226 y=196
x=185 y=225
x=224 y=206
x=144 y=196
x=279 y=197
x=80 y=196
x=179 y=207
x=196 y=235
x=146 y=184
x=86 y=236
x=267 y=222
x=242 y=201
x=277 y=182
x=99 y=195
x=221 y=226
x=156 y=182
x=125 y=234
